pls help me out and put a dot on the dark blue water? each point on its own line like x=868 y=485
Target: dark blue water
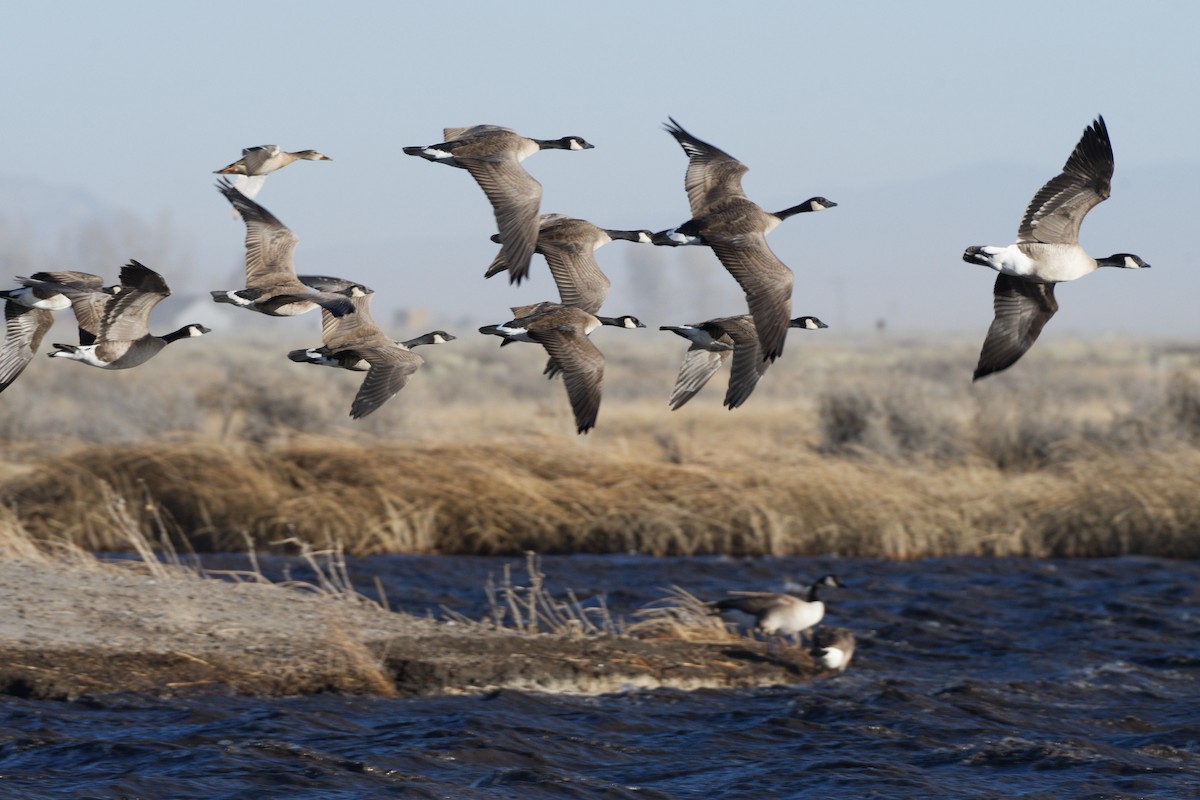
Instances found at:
x=974 y=678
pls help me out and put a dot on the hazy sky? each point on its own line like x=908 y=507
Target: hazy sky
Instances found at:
x=901 y=112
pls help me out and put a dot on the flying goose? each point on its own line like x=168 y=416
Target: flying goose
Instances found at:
x=563 y=332
x=569 y=246
x=114 y=321
x=257 y=162
x=713 y=343
x=28 y=314
x=776 y=614
x=493 y=156
x=355 y=342
x=724 y=219
x=1046 y=252
x=832 y=648
x=272 y=286
x=324 y=357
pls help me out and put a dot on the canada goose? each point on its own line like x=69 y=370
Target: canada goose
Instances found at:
x=713 y=342
x=832 y=648
x=323 y=356
x=272 y=287
x=28 y=314
x=257 y=162
x=563 y=332
x=569 y=246
x=776 y=614
x=355 y=342
x=1046 y=252
x=493 y=156
x=119 y=333
x=724 y=219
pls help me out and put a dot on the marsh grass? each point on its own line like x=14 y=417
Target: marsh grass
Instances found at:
x=878 y=449
x=681 y=615
x=530 y=608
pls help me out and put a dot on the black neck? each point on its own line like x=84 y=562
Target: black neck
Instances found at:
x=182 y=333
x=807 y=205
x=629 y=236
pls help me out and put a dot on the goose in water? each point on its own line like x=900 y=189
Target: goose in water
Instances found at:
x=355 y=342
x=493 y=156
x=714 y=342
x=776 y=614
x=256 y=163
x=1046 y=252
x=114 y=322
x=28 y=315
x=569 y=246
x=563 y=332
x=272 y=286
x=735 y=228
x=832 y=648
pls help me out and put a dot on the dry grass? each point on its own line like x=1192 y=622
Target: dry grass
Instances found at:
x=681 y=615
x=531 y=609
x=884 y=449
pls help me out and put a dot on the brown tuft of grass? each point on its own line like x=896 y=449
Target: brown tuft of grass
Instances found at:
x=681 y=615
x=530 y=609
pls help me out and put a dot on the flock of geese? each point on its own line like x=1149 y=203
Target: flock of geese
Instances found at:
x=113 y=320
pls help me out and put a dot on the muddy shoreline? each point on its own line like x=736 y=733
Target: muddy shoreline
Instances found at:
x=87 y=629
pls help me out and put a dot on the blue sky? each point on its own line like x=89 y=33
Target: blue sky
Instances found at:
x=931 y=124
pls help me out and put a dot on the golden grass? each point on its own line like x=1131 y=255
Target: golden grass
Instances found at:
x=872 y=450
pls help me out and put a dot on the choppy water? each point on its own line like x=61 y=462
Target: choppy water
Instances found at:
x=974 y=678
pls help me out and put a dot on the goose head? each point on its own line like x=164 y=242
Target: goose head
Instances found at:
x=1123 y=260
x=311 y=155
x=623 y=321
x=187 y=332
x=565 y=143
x=808 y=323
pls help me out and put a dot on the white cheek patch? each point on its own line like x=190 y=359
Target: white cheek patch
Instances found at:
x=644 y=238
x=438 y=339
x=433 y=151
x=1131 y=264
x=575 y=145
x=629 y=323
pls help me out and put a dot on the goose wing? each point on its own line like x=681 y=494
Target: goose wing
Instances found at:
x=1058 y=209
x=127 y=313
x=24 y=328
x=391 y=368
x=570 y=254
x=753 y=603
x=87 y=294
x=699 y=364
x=748 y=364
x=582 y=366
x=1022 y=309
x=767 y=282
x=269 y=243
x=712 y=174
x=515 y=197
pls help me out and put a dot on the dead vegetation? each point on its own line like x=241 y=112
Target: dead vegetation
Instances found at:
x=883 y=450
